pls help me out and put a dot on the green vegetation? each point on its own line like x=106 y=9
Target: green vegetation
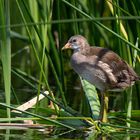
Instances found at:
x=32 y=34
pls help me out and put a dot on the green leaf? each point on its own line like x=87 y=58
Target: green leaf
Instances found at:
x=5 y=46
x=92 y=97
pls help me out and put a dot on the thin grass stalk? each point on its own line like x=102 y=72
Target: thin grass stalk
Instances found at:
x=49 y=58
x=129 y=108
x=74 y=15
x=128 y=51
x=118 y=27
x=5 y=43
x=15 y=96
x=38 y=116
x=19 y=25
x=39 y=88
x=60 y=39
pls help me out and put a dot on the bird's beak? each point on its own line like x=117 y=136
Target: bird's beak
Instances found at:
x=67 y=46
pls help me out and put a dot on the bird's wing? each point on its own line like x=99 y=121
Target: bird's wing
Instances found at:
x=115 y=66
x=108 y=57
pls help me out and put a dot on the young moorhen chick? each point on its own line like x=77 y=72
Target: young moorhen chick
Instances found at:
x=100 y=66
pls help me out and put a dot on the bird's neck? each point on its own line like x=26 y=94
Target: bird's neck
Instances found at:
x=84 y=50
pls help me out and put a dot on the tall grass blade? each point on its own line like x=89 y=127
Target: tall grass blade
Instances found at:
x=5 y=45
x=130 y=92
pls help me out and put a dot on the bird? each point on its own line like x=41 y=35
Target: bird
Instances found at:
x=100 y=66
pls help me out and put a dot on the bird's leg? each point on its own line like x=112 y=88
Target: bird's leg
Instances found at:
x=104 y=119
x=101 y=107
x=104 y=107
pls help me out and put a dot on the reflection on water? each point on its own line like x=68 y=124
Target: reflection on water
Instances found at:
x=22 y=134
x=43 y=134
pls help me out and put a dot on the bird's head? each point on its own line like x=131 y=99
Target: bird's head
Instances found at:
x=76 y=43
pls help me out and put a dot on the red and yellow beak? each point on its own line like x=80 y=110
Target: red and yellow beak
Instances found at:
x=67 y=46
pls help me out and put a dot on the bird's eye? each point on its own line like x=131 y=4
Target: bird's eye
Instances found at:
x=74 y=40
